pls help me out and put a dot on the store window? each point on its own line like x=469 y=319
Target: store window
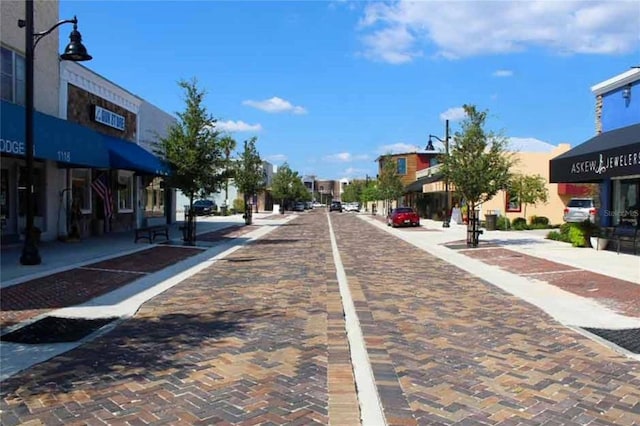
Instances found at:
x=402 y=166
x=12 y=87
x=81 y=189
x=513 y=203
x=125 y=192
x=626 y=202
x=154 y=198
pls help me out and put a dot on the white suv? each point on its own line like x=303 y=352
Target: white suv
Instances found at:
x=580 y=209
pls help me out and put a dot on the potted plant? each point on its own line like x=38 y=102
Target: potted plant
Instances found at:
x=599 y=238
x=593 y=234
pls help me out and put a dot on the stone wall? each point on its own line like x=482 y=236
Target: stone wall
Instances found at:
x=80 y=110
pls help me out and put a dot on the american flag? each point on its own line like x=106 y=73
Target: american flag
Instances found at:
x=101 y=186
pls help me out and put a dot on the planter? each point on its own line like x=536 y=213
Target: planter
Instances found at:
x=599 y=243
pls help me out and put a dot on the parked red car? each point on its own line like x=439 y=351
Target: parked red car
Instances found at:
x=403 y=216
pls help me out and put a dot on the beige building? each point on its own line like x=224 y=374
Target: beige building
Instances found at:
x=533 y=163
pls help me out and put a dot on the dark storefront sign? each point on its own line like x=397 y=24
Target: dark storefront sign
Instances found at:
x=611 y=154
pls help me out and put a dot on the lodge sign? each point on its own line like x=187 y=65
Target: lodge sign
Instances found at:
x=108 y=118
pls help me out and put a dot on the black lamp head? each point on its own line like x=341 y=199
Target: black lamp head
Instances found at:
x=430 y=145
x=75 y=50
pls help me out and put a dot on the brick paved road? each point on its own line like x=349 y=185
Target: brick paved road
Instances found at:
x=448 y=348
x=258 y=338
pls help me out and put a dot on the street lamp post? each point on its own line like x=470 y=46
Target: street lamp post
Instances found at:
x=74 y=51
x=446 y=219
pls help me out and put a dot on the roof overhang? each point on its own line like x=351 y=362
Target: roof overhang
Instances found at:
x=611 y=154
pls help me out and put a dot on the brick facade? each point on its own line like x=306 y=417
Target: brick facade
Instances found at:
x=80 y=110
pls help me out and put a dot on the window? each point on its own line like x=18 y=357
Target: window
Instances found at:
x=12 y=85
x=81 y=189
x=402 y=166
x=125 y=192
x=513 y=203
x=626 y=202
x=154 y=198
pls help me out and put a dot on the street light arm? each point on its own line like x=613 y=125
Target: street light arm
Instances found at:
x=434 y=136
x=39 y=36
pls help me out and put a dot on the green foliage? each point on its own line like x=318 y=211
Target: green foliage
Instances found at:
x=519 y=223
x=353 y=191
x=530 y=189
x=248 y=170
x=370 y=193
x=555 y=235
x=228 y=144
x=539 y=220
x=287 y=185
x=193 y=148
x=238 y=205
x=478 y=163
x=503 y=223
x=389 y=184
x=577 y=236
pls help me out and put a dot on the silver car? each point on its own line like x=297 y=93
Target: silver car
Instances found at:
x=580 y=209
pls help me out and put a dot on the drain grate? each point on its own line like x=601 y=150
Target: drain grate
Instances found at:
x=55 y=330
x=628 y=339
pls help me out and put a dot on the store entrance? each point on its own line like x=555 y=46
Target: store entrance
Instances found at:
x=7 y=207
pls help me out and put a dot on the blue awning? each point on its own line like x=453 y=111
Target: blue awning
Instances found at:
x=127 y=155
x=53 y=138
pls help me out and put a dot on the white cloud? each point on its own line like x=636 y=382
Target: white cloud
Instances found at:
x=276 y=158
x=398 y=148
x=529 y=145
x=275 y=105
x=237 y=126
x=453 y=114
x=503 y=73
x=345 y=157
x=397 y=32
x=353 y=172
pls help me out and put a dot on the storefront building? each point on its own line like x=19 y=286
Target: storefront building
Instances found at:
x=86 y=132
x=612 y=157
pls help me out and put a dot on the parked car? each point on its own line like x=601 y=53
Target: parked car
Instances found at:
x=403 y=216
x=580 y=209
x=336 y=206
x=298 y=206
x=352 y=207
x=204 y=207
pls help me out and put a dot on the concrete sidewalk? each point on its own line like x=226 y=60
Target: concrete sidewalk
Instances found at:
x=59 y=256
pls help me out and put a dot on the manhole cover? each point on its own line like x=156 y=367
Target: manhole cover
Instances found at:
x=55 y=330
x=628 y=339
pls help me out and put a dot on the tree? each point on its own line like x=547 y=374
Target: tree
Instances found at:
x=285 y=185
x=228 y=145
x=193 y=150
x=389 y=184
x=249 y=175
x=478 y=164
x=530 y=189
x=353 y=191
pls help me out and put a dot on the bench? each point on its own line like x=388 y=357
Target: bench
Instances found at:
x=626 y=233
x=150 y=233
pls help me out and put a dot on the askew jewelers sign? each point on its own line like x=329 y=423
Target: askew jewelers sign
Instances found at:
x=109 y=118
x=596 y=166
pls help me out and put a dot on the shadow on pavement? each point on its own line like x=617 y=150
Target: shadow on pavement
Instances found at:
x=139 y=349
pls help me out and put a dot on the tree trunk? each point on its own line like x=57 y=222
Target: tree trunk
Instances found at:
x=247 y=211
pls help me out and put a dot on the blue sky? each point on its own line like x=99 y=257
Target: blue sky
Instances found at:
x=330 y=85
